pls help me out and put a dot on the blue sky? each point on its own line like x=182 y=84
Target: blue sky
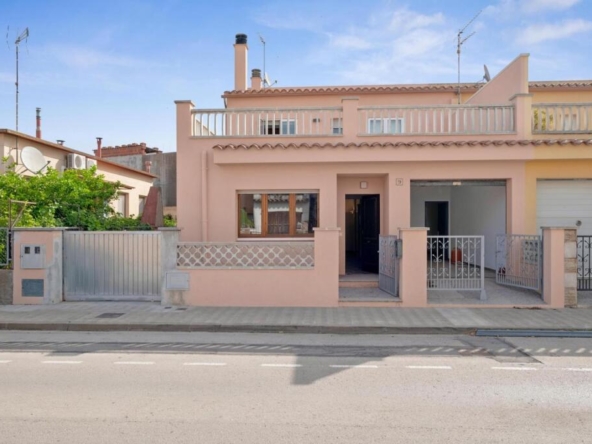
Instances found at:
x=114 y=68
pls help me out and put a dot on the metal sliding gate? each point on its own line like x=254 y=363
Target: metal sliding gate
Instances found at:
x=119 y=265
x=456 y=263
x=519 y=261
x=584 y=247
x=388 y=269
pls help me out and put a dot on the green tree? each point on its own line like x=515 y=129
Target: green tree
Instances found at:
x=74 y=198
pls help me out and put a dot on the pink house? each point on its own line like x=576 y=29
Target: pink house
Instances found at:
x=378 y=195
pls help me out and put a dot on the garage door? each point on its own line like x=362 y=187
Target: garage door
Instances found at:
x=565 y=203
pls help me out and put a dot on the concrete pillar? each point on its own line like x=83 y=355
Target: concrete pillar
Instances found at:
x=184 y=121
x=326 y=255
x=399 y=203
x=350 y=118
x=523 y=115
x=559 y=266
x=413 y=289
x=168 y=253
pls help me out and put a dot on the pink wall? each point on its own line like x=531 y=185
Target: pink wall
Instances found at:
x=511 y=80
x=317 y=287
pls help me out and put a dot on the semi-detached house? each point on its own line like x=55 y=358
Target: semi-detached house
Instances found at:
x=287 y=194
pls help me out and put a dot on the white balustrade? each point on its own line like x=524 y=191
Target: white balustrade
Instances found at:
x=436 y=120
x=566 y=118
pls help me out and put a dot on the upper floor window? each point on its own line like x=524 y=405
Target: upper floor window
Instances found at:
x=277 y=214
x=385 y=126
x=337 y=125
x=277 y=127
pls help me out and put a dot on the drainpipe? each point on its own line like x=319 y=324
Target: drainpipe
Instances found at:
x=38 y=129
x=204 y=196
x=99 y=140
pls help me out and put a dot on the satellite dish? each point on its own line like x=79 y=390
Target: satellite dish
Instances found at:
x=33 y=160
x=266 y=79
x=486 y=76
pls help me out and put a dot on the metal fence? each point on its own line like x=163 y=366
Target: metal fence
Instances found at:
x=245 y=255
x=456 y=263
x=519 y=261
x=5 y=247
x=112 y=265
x=584 y=247
x=388 y=269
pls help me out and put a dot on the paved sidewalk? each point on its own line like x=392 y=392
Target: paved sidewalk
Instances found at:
x=145 y=316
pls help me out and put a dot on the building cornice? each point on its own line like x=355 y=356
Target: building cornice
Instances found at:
x=446 y=144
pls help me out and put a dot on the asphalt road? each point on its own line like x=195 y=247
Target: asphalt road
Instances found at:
x=273 y=388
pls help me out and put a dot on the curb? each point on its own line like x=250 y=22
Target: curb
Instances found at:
x=188 y=328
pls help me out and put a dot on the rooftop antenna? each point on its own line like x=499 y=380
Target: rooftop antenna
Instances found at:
x=460 y=42
x=264 y=72
x=21 y=38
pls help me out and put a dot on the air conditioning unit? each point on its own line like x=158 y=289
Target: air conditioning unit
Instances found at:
x=76 y=161
x=90 y=163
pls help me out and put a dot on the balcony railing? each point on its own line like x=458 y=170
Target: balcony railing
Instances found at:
x=435 y=120
x=562 y=118
x=263 y=122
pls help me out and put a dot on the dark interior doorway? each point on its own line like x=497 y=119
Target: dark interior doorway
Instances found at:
x=436 y=218
x=362 y=231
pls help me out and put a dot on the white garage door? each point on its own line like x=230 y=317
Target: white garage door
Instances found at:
x=565 y=203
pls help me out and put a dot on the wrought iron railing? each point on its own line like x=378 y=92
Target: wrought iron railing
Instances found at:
x=456 y=263
x=435 y=120
x=584 y=247
x=246 y=255
x=519 y=261
x=388 y=269
x=264 y=122
x=562 y=118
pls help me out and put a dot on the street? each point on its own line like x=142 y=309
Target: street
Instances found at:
x=292 y=388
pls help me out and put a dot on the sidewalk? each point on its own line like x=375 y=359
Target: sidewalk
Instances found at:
x=145 y=316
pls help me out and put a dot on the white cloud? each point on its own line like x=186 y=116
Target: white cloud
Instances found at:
x=538 y=33
x=348 y=41
x=535 y=6
x=404 y=20
x=85 y=58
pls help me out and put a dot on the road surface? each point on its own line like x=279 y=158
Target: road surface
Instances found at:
x=273 y=388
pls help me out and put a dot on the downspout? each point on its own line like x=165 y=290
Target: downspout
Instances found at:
x=204 y=196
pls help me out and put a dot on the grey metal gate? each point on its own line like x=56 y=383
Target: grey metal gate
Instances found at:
x=456 y=263
x=584 y=263
x=519 y=261
x=388 y=265
x=118 y=265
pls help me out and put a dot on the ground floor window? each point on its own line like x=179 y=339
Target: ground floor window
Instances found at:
x=278 y=214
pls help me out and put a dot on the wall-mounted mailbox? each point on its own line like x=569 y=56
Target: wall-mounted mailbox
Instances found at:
x=177 y=280
x=32 y=256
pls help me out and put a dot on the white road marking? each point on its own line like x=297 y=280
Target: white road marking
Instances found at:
x=578 y=369
x=4 y=362
x=430 y=367
x=281 y=365
x=515 y=368
x=213 y=364
x=134 y=363
x=61 y=362
x=353 y=366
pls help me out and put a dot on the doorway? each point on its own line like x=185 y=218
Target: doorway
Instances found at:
x=436 y=218
x=362 y=231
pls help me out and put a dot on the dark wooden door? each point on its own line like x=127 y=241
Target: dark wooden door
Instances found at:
x=369 y=229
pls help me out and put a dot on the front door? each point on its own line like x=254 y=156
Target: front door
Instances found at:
x=369 y=232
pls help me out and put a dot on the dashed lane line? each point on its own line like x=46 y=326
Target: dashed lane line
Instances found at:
x=61 y=362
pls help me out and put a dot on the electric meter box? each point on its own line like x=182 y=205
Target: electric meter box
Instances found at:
x=32 y=256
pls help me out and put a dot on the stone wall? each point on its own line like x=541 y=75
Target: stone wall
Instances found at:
x=571 y=268
x=5 y=287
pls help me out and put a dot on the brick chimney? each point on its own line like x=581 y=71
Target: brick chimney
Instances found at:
x=38 y=128
x=98 y=150
x=240 y=62
x=256 y=79
x=123 y=150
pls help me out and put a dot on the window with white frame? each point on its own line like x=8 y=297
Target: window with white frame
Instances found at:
x=337 y=125
x=279 y=127
x=385 y=126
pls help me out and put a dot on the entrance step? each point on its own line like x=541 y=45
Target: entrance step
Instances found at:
x=366 y=280
x=358 y=284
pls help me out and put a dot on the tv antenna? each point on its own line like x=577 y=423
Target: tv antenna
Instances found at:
x=460 y=42
x=23 y=37
x=266 y=81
